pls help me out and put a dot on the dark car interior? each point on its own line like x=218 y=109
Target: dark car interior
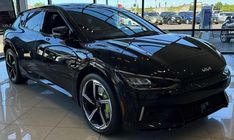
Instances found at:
x=52 y=20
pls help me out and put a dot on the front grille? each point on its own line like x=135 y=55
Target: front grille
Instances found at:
x=199 y=77
x=203 y=107
x=174 y=115
x=219 y=84
x=204 y=82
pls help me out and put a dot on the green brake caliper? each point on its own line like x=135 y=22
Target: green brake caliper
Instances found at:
x=102 y=93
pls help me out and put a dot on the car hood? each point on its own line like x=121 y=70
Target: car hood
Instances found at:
x=170 y=55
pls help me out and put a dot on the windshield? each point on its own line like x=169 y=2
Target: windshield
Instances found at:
x=168 y=14
x=188 y=14
x=229 y=14
x=153 y=14
x=106 y=23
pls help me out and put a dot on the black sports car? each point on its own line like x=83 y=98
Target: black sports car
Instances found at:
x=118 y=67
x=171 y=18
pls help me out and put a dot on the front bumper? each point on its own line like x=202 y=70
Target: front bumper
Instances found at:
x=159 y=22
x=176 y=115
x=152 y=110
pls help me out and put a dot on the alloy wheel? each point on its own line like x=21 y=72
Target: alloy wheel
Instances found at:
x=96 y=104
x=11 y=66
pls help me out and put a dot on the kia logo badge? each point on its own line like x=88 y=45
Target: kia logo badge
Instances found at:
x=206 y=69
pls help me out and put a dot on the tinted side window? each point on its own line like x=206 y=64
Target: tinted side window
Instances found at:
x=34 y=21
x=52 y=20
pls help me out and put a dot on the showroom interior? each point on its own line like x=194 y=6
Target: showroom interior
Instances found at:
x=33 y=111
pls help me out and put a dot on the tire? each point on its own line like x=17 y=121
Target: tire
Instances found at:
x=101 y=110
x=224 y=38
x=13 y=70
x=169 y=22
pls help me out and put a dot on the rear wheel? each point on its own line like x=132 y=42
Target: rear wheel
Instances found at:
x=13 y=68
x=99 y=105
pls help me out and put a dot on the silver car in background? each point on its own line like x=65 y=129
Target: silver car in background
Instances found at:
x=227 y=35
x=223 y=16
x=153 y=17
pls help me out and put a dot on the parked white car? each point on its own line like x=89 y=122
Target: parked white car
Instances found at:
x=223 y=16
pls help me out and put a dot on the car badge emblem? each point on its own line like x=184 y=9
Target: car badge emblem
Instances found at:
x=206 y=69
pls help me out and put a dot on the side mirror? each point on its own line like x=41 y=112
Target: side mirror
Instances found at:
x=60 y=32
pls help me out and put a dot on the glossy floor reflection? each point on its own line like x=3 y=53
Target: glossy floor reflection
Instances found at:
x=34 y=112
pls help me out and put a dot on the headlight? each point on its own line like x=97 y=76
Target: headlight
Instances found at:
x=143 y=82
x=138 y=81
x=226 y=70
x=152 y=20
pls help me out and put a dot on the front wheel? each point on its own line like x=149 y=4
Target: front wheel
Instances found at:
x=99 y=105
x=12 y=66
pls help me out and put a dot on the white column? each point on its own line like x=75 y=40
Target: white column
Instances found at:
x=23 y=5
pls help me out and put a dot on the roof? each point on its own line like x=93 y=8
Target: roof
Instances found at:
x=85 y=5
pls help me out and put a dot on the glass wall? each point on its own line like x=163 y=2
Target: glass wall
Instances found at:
x=217 y=23
x=36 y=3
x=71 y=1
x=169 y=15
x=7 y=16
x=102 y=1
x=134 y=6
x=214 y=20
x=220 y=11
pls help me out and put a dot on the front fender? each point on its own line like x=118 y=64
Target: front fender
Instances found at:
x=8 y=44
x=113 y=78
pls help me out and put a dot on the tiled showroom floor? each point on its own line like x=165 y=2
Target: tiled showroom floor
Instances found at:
x=34 y=112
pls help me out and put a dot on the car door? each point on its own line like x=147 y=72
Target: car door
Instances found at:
x=56 y=56
x=31 y=24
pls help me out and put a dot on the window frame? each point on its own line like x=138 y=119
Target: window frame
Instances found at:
x=64 y=18
x=52 y=11
x=23 y=23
